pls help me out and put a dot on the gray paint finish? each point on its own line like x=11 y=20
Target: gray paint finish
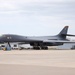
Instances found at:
x=59 y=39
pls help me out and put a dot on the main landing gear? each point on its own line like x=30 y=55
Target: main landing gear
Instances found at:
x=36 y=47
x=39 y=47
x=44 y=47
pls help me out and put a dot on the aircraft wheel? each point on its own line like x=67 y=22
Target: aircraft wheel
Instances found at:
x=42 y=47
x=36 y=48
x=45 y=48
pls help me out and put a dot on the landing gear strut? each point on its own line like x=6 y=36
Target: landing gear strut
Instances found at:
x=9 y=44
x=8 y=47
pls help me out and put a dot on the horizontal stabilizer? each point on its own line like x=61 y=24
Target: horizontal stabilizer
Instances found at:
x=68 y=35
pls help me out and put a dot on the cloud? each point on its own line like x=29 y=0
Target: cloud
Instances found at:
x=15 y=4
x=31 y=1
x=38 y=17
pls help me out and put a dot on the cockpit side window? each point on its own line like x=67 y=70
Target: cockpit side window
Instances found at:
x=8 y=37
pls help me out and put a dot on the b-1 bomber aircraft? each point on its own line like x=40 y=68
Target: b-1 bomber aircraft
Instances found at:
x=41 y=42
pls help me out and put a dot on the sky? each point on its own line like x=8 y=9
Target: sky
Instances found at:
x=36 y=17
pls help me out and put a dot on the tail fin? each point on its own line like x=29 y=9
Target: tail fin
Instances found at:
x=63 y=33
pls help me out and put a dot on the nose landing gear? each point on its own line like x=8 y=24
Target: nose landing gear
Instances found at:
x=8 y=46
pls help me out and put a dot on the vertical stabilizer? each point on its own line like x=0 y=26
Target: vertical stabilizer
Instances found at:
x=63 y=33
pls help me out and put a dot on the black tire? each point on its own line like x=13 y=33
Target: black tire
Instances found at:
x=36 y=48
x=45 y=48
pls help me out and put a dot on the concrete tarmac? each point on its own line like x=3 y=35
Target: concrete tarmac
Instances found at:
x=37 y=62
